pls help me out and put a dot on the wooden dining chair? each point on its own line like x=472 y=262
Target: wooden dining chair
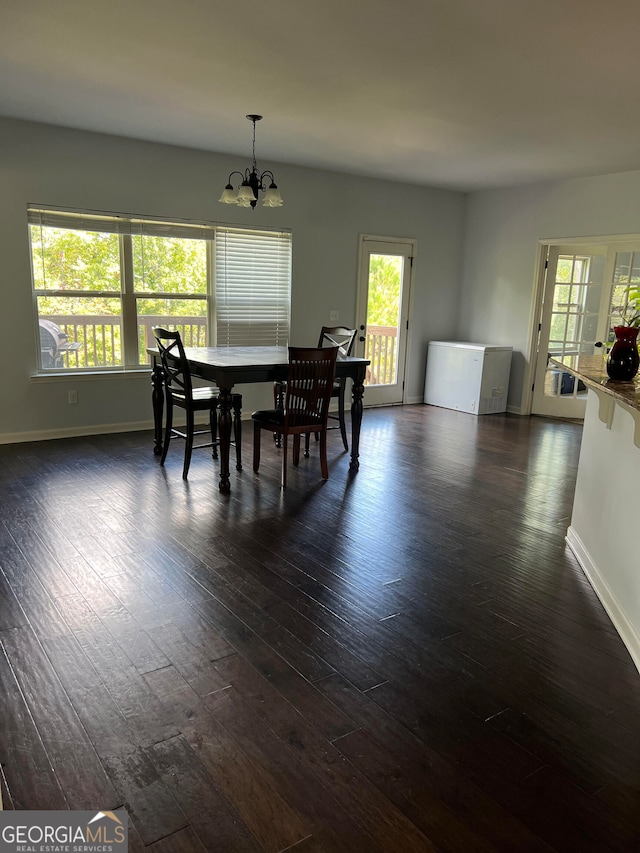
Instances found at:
x=179 y=391
x=308 y=390
x=330 y=336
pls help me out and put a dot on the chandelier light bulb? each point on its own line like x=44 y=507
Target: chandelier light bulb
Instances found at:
x=272 y=196
x=228 y=195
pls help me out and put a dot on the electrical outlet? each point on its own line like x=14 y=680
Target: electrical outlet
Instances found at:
x=73 y=397
x=333 y=316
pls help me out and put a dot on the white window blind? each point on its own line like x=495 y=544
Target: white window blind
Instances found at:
x=114 y=224
x=78 y=221
x=252 y=287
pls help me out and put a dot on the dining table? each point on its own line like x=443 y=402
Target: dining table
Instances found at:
x=230 y=366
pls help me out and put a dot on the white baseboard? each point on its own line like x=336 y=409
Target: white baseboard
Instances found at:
x=72 y=432
x=614 y=609
x=99 y=429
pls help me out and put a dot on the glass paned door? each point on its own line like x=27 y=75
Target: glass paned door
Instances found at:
x=384 y=289
x=625 y=277
x=574 y=304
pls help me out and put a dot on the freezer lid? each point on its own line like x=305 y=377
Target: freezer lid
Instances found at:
x=470 y=346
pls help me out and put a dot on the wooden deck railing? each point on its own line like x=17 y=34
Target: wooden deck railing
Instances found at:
x=100 y=339
x=381 y=350
x=193 y=330
x=100 y=336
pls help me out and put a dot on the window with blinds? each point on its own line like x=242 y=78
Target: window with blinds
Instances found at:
x=253 y=287
x=101 y=283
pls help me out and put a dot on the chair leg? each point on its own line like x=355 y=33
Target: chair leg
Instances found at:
x=237 y=433
x=283 y=478
x=188 y=445
x=256 y=446
x=296 y=449
x=307 y=436
x=213 y=425
x=167 y=432
x=323 y=455
x=343 y=427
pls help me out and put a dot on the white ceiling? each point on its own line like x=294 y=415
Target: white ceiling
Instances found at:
x=464 y=94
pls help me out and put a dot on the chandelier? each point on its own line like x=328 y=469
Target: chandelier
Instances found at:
x=252 y=182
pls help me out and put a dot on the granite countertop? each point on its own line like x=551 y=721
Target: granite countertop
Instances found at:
x=592 y=370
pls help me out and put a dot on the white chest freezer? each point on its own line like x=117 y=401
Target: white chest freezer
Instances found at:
x=469 y=377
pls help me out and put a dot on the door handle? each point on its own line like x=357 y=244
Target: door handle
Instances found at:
x=362 y=339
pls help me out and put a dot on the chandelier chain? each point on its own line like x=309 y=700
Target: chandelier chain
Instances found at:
x=254 y=144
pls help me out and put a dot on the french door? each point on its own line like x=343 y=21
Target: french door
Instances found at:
x=583 y=284
x=384 y=289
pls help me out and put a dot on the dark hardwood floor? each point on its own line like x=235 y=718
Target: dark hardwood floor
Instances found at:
x=406 y=660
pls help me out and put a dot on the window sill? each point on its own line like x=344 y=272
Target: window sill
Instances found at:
x=91 y=375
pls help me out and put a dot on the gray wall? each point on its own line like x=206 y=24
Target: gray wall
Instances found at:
x=41 y=164
x=502 y=233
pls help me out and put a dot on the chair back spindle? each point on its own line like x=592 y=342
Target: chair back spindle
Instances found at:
x=177 y=376
x=309 y=386
x=338 y=336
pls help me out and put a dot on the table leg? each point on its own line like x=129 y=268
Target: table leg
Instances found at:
x=224 y=436
x=237 y=431
x=279 y=404
x=157 y=401
x=356 y=422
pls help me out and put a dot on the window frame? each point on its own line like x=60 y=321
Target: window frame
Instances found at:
x=127 y=227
